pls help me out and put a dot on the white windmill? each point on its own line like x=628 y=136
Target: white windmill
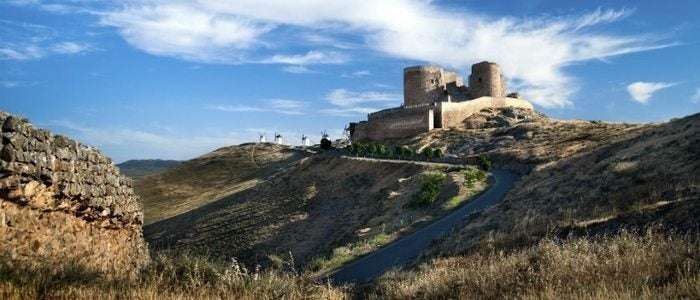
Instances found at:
x=262 y=138
x=305 y=141
x=346 y=133
x=278 y=139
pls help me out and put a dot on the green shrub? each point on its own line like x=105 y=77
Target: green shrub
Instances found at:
x=484 y=163
x=381 y=149
x=472 y=176
x=430 y=190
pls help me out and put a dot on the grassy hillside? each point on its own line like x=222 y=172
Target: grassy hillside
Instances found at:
x=137 y=168
x=583 y=183
x=223 y=172
x=321 y=210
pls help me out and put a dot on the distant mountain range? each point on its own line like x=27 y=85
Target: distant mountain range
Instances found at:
x=137 y=168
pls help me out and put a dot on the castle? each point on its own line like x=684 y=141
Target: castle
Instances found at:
x=435 y=98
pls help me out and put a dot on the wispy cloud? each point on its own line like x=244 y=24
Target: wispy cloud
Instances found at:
x=361 y=73
x=642 y=91
x=282 y=106
x=25 y=41
x=15 y=83
x=186 y=30
x=345 y=98
x=696 y=96
x=235 y=108
x=311 y=57
x=298 y=70
x=71 y=48
x=350 y=103
x=9 y=84
x=286 y=106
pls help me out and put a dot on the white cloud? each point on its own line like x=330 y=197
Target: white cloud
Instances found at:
x=361 y=73
x=533 y=51
x=282 y=106
x=696 y=96
x=9 y=84
x=286 y=106
x=70 y=48
x=311 y=57
x=349 y=103
x=186 y=30
x=235 y=108
x=298 y=70
x=21 y=52
x=642 y=91
x=345 y=98
x=26 y=41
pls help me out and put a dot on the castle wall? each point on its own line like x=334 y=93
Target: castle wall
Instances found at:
x=452 y=114
x=486 y=81
x=61 y=201
x=395 y=123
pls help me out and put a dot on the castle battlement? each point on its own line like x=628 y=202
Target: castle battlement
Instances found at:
x=436 y=98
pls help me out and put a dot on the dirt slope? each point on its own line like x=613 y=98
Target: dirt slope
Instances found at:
x=602 y=211
x=585 y=177
x=223 y=172
x=305 y=208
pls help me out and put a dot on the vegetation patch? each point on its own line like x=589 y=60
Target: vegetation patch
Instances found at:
x=429 y=191
x=167 y=277
x=345 y=254
x=623 y=266
x=472 y=176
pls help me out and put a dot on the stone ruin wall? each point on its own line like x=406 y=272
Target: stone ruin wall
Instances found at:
x=395 y=123
x=61 y=201
x=454 y=113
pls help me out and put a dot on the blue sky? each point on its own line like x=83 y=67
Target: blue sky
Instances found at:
x=176 y=79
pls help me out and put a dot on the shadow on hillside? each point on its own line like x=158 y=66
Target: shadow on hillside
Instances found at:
x=302 y=209
x=620 y=184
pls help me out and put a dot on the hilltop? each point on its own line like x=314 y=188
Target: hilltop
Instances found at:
x=137 y=168
x=321 y=209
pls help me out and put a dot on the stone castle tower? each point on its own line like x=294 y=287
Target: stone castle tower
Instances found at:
x=426 y=84
x=486 y=81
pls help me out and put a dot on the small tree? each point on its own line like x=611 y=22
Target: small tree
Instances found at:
x=326 y=144
x=484 y=163
x=372 y=148
x=410 y=152
x=428 y=152
x=398 y=150
x=381 y=149
x=437 y=153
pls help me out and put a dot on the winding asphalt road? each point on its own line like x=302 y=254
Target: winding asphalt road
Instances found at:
x=397 y=253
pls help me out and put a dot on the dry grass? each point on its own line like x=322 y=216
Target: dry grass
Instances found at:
x=616 y=181
x=223 y=172
x=623 y=266
x=168 y=277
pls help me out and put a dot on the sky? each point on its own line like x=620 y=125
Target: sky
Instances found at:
x=143 y=79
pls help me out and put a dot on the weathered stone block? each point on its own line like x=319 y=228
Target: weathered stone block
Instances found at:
x=12 y=124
